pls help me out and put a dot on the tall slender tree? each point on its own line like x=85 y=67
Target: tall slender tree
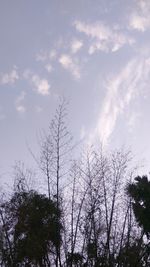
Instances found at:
x=55 y=151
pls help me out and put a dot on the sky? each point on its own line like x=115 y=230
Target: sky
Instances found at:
x=95 y=53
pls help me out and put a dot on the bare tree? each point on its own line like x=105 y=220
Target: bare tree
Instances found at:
x=55 y=155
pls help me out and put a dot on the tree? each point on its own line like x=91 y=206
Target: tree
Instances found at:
x=54 y=160
x=100 y=216
x=86 y=219
x=31 y=221
x=140 y=194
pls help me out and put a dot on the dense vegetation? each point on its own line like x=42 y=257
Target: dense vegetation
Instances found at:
x=94 y=212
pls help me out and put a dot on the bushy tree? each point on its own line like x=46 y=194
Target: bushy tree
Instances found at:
x=140 y=194
x=32 y=222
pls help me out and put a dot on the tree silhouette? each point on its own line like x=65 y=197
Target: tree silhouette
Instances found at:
x=87 y=218
x=56 y=146
x=140 y=194
x=32 y=223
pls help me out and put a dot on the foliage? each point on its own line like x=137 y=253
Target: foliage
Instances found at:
x=33 y=224
x=140 y=193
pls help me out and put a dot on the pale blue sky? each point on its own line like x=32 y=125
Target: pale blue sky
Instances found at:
x=95 y=53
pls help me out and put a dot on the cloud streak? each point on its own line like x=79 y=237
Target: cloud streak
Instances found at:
x=120 y=91
x=102 y=37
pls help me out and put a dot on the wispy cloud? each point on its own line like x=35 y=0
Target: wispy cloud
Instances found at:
x=140 y=17
x=69 y=64
x=20 y=107
x=120 y=91
x=103 y=37
x=43 y=56
x=76 y=45
x=9 y=78
x=42 y=86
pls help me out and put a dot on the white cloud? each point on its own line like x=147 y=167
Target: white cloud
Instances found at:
x=9 y=78
x=102 y=37
x=120 y=91
x=138 y=22
x=67 y=62
x=96 y=30
x=19 y=102
x=140 y=17
x=76 y=45
x=42 y=86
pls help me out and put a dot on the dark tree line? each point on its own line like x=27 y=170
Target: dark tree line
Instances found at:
x=94 y=212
